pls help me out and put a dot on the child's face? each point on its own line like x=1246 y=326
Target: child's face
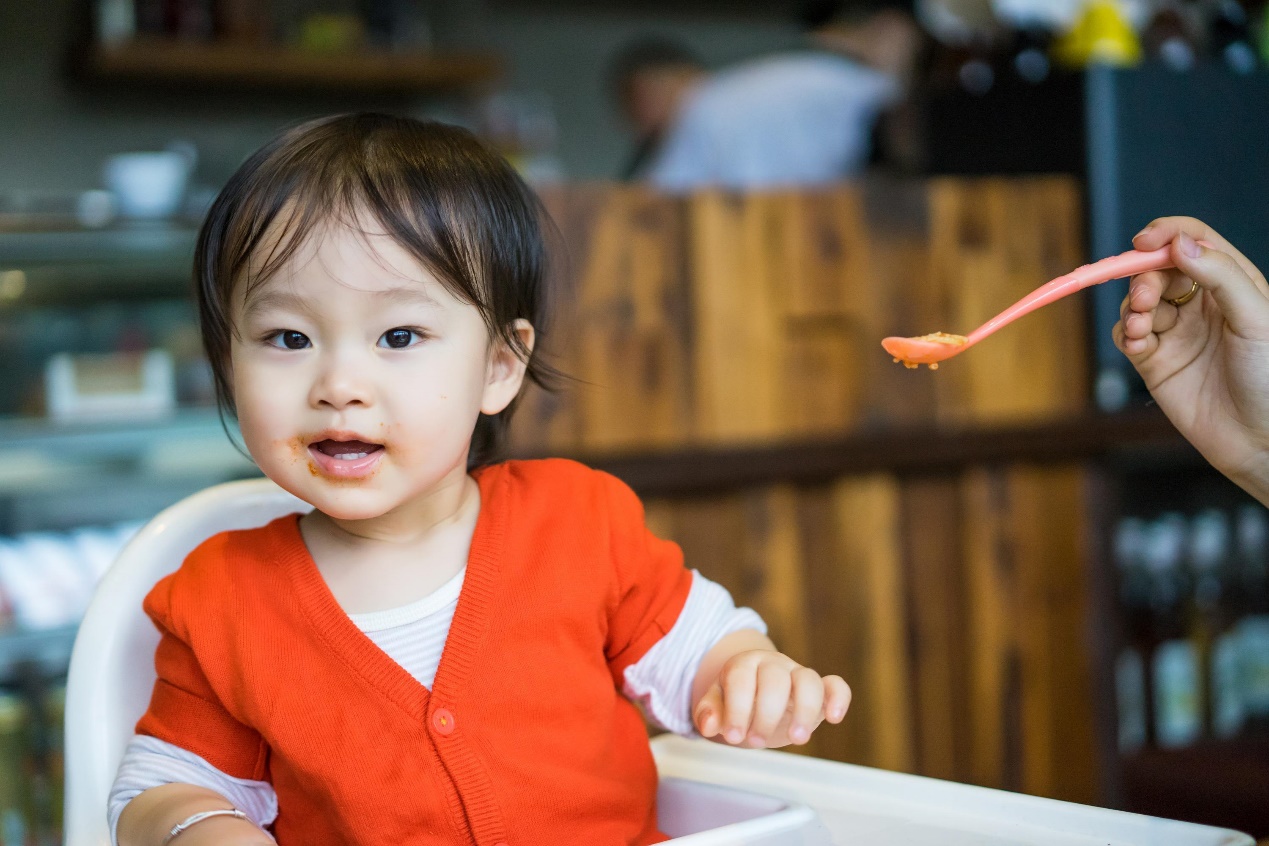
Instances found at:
x=358 y=377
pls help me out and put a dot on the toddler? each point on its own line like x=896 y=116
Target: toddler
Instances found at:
x=445 y=650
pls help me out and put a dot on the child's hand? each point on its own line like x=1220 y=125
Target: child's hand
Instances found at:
x=1206 y=362
x=762 y=698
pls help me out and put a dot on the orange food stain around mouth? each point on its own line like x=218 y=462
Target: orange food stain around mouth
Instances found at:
x=301 y=450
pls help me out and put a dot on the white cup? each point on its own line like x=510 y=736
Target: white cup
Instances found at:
x=148 y=185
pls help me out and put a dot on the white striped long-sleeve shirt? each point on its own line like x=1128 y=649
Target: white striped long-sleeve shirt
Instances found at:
x=414 y=636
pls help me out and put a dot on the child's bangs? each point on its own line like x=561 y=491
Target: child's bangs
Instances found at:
x=369 y=210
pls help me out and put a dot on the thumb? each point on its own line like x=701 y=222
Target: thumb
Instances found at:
x=1243 y=303
x=709 y=712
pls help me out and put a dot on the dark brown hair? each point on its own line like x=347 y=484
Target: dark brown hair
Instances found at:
x=457 y=206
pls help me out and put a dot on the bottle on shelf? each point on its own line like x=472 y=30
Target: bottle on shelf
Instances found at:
x=1215 y=613
x=1231 y=36
x=1174 y=663
x=1170 y=37
x=1028 y=45
x=1132 y=692
x=116 y=21
x=1029 y=57
x=1252 y=533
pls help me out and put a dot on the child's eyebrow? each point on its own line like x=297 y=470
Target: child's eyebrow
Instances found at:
x=409 y=295
x=280 y=300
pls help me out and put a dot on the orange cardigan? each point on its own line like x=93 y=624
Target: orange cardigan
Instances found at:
x=524 y=737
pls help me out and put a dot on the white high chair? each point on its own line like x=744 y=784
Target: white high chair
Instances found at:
x=710 y=795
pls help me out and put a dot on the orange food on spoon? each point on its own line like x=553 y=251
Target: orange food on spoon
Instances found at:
x=940 y=346
x=930 y=343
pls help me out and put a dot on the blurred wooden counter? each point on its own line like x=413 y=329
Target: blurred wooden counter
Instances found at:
x=739 y=319
x=930 y=536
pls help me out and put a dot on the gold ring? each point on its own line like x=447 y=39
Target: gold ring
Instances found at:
x=1182 y=300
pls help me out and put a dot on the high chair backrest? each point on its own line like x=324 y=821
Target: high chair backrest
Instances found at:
x=112 y=664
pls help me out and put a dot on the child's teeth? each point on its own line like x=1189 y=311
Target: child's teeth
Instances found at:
x=350 y=456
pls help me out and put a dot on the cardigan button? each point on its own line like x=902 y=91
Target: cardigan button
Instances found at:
x=443 y=721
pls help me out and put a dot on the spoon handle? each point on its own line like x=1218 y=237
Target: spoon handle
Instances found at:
x=1115 y=267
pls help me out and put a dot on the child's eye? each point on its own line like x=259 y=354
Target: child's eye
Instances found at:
x=289 y=339
x=400 y=338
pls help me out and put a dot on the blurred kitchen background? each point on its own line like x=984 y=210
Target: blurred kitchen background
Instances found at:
x=1030 y=580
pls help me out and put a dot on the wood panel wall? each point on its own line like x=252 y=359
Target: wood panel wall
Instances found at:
x=954 y=602
x=729 y=319
x=954 y=605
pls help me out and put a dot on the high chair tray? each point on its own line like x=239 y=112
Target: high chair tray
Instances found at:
x=862 y=806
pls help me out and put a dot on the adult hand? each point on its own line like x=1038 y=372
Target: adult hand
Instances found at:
x=763 y=698
x=1206 y=362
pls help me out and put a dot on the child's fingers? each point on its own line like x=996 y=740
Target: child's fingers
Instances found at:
x=709 y=712
x=808 y=704
x=740 y=685
x=836 y=698
x=771 y=703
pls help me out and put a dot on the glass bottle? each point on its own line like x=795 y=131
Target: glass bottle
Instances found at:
x=1218 y=643
x=1252 y=534
x=1174 y=664
x=1131 y=680
x=1231 y=36
x=1169 y=39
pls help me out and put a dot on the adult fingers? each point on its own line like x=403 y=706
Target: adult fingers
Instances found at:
x=1165 y=230
x=1142 y=324
x=1148 y=290
x=1138 y=348
x=1244 y=303
x=1144 y=292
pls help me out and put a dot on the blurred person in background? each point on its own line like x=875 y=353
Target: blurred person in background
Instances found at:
x=791 y=119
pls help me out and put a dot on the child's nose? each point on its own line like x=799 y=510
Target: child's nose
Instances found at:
x=342 y=381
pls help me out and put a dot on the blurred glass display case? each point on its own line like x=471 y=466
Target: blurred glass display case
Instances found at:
x=74 y=488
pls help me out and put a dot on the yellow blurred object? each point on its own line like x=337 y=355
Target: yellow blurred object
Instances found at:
x=1102 y=35
x=330 y=33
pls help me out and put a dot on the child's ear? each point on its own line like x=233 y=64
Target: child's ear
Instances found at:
x=506 y=369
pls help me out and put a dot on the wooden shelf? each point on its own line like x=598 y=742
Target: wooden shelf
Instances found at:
x=278 y=68
x=1214 y=783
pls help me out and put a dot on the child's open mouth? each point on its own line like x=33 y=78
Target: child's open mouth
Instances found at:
x=345 y=459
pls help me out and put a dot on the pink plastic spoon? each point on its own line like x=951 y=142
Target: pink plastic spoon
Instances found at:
x=931 y=349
